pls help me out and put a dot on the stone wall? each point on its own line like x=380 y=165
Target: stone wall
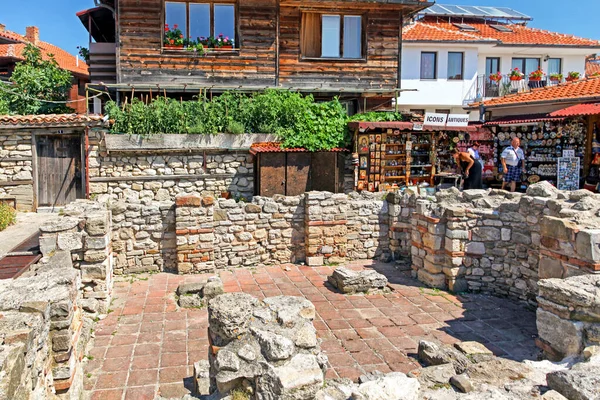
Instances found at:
x=16 y=167
x=502 y=243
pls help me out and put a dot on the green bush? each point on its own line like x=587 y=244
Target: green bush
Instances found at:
x=8 y=216
x=296 y=119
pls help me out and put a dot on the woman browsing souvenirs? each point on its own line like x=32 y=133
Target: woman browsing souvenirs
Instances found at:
x=470 y=169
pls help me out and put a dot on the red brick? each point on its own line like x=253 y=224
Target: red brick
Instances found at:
x=337 y=324
x=145 y=362
x=113 y=394
x=173 y=374
x=146 y=349
x=381 y=322
x=188 y=201
x=369 y=333
x=119 y=351
x=351 y=373
x=141 y=393
x=119 y=340
x=340 y=360
x=112 y=380
x=423 y=318
x=354 y=346
x=115 y=364
x=142 y=377
x=367 y=357
x=174 y=360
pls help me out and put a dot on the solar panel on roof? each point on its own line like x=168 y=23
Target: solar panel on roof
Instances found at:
x=501 y=28
x=475 y=11
x=465 y=27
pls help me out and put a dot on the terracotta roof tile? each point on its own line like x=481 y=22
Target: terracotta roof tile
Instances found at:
x=8 y=121
x=275 y=147
x=581 y=90
x=522 y=119
x=64 y=59
x=579 y=109
x=520 y=34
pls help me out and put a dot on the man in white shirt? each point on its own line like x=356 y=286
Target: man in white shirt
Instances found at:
x=513 y=164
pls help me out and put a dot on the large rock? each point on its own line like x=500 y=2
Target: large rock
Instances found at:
x=474 y=351
x=299 y=379
x=350 y=281
x=564 y=336
x=393 y=386
x=497 y=372
x=542 y=189
x=431 y=353
x=434 y=376
x=229 y=316
x=582 y=382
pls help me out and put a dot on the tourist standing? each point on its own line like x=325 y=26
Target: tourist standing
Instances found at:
x=474 y=152
x=513 y=164
x=470 y=169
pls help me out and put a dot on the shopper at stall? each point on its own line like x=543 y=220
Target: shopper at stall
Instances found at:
x=474 y=152
x=470 y=169
x=513 y=164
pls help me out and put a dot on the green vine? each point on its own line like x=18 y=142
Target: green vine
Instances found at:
x=297 y=120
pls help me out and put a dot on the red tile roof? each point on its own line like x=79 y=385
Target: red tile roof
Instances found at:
x=430 y=29
x=9 y=121
x=592 y=67
x=579 y=109
x=275 y=147
x=64 y=59
x=578 y=91
x=522 y=119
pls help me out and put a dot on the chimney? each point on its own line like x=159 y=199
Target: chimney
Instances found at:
x=2 y=27
x=32 y=34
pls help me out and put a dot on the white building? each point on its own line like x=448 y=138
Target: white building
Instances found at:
x=449 y=53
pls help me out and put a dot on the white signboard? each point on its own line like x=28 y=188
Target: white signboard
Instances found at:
x=456 y=120
x=433 y=119
x=568 y=153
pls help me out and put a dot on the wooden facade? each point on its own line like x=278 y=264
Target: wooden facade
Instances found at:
x=268 y=53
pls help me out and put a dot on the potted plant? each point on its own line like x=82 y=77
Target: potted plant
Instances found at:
x=556 y=77
x=572 y=76
x=515 y=75
x=223 y=42
x=536 y=76
x=497 y=77
x=173 y=37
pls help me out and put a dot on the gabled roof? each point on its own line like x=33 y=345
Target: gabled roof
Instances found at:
x=429 y=28
x=65 y=60
x=584 y=90
x=592 y=67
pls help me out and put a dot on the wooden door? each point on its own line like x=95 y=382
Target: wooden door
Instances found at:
x=297 y=176
x=272 y=174
x=323 y=171
x=59 y=169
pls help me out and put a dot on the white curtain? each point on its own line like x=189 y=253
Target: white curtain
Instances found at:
x=352 y=36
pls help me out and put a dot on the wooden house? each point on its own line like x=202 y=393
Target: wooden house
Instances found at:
x=343 y=48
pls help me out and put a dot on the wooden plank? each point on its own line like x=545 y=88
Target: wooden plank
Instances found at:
x=272 y=174
x=297 y=174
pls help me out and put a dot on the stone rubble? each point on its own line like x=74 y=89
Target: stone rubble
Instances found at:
x=349 y=281
x=197 y=294
x=267 y=348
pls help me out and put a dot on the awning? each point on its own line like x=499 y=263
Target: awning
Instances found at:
x=522 y=119
x=579 y=109
x=408 y=126
x=101 y=22
x=275 y=147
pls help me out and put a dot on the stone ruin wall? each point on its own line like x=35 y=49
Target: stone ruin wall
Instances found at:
x=16 y=167
x=46 y=314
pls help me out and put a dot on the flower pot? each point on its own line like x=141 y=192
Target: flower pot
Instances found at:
x=535 y=79
x=173 y=47
x=224 y=48
x=570 y=79
x=554 y=79
x=516 y=78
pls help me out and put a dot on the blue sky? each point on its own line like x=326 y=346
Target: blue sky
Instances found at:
x=59 y=25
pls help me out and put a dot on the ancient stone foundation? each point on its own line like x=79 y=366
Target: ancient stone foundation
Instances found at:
x=568 y=315
x=47 y=313
x=198 y=294
x=268 y=349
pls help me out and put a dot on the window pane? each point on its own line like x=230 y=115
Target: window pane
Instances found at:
x=531 y=64
x=225 y=21
x=492 y=65
x=428 y=65
x=518 y=63
x=330 y=37
x=199 y=20
x=175 y=15
x=455 y=65
x=352 y=36
x=554 y=66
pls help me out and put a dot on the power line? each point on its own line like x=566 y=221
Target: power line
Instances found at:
x=26 y=97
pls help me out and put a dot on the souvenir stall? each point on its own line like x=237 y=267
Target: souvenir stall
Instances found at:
x=554 y=148
x=394 y=155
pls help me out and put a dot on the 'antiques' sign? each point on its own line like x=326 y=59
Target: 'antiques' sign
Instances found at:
x=458 y=120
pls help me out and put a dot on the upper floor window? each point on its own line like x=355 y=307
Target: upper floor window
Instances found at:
x=332 y=36
x=455 y=65
x=554 y=66
x=200 y=20
x=428 y=65
x=526 y=65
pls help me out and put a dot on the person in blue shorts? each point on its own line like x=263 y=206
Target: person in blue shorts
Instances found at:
x=513 y=163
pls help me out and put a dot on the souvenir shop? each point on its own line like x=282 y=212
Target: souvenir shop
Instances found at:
x=555 y=148
x=389 y=156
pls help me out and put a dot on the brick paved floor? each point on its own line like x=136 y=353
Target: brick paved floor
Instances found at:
x=146 y=345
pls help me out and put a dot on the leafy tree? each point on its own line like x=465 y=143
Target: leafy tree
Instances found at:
x=33 y=80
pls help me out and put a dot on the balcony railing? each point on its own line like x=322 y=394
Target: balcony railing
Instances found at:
x=485 y=88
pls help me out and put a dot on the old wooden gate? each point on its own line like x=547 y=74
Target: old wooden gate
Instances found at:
x=58 y=169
